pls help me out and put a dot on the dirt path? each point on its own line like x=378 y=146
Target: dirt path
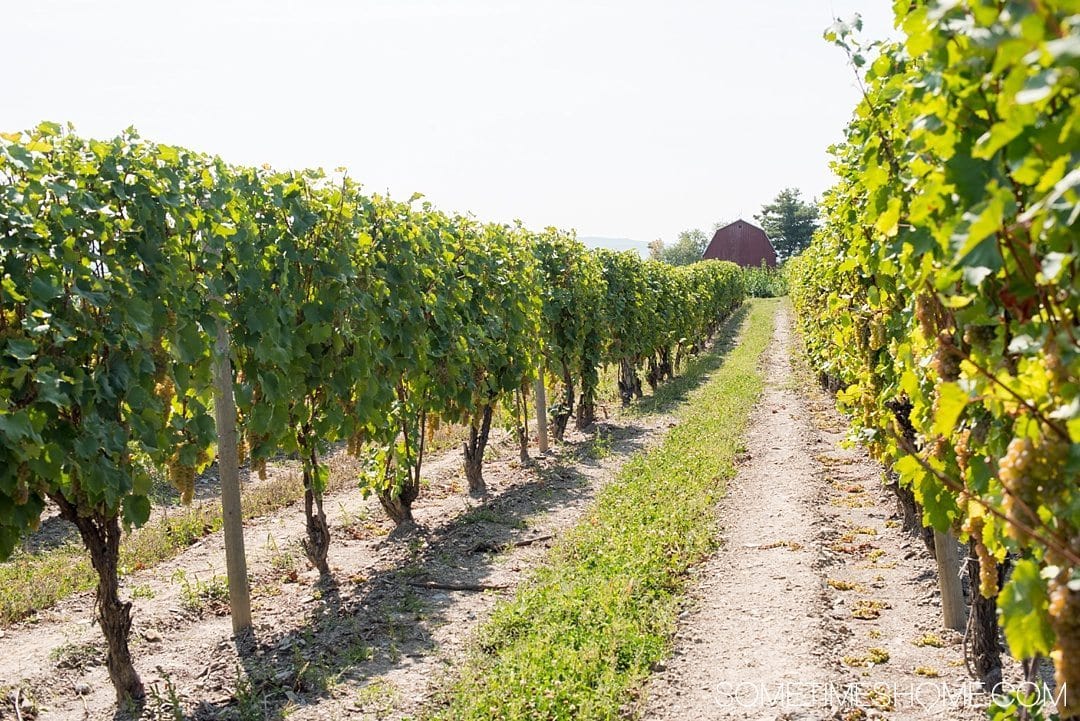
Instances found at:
x=818 y=606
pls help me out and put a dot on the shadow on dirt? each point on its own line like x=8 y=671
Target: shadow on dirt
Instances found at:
x=694 y=372
x=363 y=627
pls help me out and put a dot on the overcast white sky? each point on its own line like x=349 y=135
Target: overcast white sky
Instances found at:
x=629 y=118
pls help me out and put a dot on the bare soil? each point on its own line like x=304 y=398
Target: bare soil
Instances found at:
x=372 y=644
x=818 y=605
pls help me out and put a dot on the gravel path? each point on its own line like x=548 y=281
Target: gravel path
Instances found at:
x=753 y=626
x=818 y=605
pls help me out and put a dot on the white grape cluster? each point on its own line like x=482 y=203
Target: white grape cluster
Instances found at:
x=1065 y=618
x=988 y=570
x=928 y=312
x=947 y=357
x=877 y=334
x=1013 y=473
x=182 y=478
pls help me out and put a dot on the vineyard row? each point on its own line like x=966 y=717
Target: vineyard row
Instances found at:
x=132 y=272
x=941 y=299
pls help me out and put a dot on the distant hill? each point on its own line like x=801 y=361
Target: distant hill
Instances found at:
x=640 y=246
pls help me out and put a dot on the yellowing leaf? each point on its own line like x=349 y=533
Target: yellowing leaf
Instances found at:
x=951 y=403
x=168 y=153
x=888 y=223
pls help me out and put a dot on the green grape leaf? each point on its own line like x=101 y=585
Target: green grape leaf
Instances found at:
x=136 y=510
x=1023 y=604
x=951 y=403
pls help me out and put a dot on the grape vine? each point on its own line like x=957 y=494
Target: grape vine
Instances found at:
x=353 y=318
x=942 y=293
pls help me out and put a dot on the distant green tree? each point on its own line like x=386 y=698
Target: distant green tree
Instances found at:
x=789 y=222
x=686 y=249
x=656 y=249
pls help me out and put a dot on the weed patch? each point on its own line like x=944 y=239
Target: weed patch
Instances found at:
x=30 y=582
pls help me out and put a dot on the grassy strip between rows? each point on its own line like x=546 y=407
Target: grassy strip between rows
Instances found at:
x=586 y=630
x=31 y=582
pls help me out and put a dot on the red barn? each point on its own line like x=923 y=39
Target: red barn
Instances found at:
x=742 y=243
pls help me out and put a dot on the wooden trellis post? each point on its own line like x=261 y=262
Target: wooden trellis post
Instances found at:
x=953 y=610
x=541 y=412
x=229 y=470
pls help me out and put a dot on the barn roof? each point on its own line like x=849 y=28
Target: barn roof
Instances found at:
x=743 y=243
